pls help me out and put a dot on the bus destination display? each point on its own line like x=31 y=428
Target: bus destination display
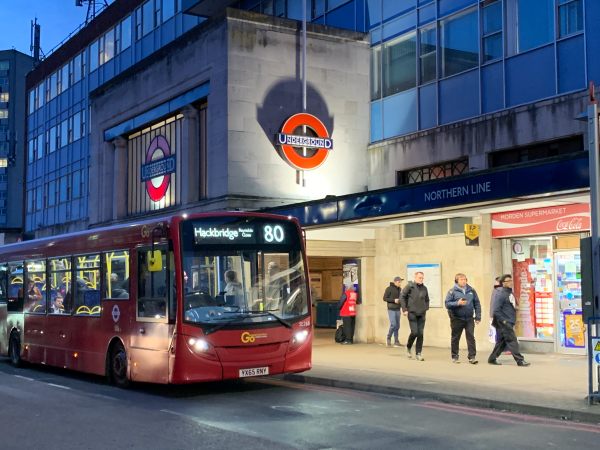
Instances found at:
x=245 y=233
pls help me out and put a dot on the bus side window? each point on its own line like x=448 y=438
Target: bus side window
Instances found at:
x=15 y=287
x=3 y=283
x=153 y=292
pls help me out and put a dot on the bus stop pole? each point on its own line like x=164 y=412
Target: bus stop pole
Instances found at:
x=594 y=174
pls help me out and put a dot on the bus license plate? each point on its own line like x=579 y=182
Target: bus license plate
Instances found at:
x=254 y=372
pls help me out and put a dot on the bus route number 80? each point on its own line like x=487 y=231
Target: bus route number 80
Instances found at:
x=273 y=234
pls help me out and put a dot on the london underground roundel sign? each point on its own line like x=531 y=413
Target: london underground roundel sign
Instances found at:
x=293 y=145
x=157 y=170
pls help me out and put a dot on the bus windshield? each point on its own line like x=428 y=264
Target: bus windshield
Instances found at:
x=242 y=270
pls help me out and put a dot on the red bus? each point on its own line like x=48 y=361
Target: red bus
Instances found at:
x=181 y=299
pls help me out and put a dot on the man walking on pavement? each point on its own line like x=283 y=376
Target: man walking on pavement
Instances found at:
x=504 y=320
x=392 y=297
x=462 y=303
x=415 y=303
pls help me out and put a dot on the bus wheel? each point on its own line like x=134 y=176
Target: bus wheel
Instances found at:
x=118 y=366
x=14 y=349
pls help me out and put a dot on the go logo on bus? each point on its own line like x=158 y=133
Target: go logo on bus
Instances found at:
x=304 y=152
x=249 y=338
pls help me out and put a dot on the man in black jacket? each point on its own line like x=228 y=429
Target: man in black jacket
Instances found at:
x=392 y=297
x=415 y=303
x=504 y=320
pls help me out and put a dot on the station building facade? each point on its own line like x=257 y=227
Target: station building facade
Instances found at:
x=441 y=114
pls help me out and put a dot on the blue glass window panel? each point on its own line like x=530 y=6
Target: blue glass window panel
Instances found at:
x=459 y=97
x=492 y=47
x=427 y=54
x=424 y=2
x=529 y=76
x=376 y=121
x=536 y=23
x=294 y=10
x=427 y=14
x=459 y=43
x=342 y=17
x=332 y=4
x=400 y=114
x=571 y=66
x=449 y=6
x=318 y=8
x=492 y=18
x=399 y=65
x=570 y=14
x=492 y=88
x=375 y=73
x=428 y=106
x=373 y=13
x=392 y=8
x=376 y=35
x=399 y=25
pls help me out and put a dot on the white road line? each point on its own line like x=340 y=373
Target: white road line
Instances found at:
x=24 y=378
x=59 y=386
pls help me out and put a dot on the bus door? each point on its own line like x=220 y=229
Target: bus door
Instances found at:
x=151 y=332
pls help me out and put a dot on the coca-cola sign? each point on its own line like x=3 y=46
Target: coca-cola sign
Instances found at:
x=572 y=218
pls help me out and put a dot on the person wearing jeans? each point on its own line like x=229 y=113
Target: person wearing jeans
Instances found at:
x=415 y=303
x=392 y=297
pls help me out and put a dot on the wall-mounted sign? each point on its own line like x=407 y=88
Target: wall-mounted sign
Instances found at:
x=160 y=164
x=304 y=151
x=471 y=234
x=573 y=218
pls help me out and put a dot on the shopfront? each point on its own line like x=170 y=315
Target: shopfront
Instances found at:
x=540 y=248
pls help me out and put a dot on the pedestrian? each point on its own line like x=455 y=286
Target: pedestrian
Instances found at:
x=347 y=307
x=493 y=334
x=504 y=320
x=414 y=300
x=392 y=297
x=464 y=310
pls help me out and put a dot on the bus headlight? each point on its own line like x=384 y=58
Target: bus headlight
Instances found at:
x=199 y=345
x=300 y=336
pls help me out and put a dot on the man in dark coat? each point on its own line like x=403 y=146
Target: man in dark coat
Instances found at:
x=415 y=303
x=464 y=310
x=392 y=297
x=504 y=320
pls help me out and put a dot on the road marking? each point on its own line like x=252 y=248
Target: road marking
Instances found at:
x=59 y=386
x=24 y=378
x=511 y=417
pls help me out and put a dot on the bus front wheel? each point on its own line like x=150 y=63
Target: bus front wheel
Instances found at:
x=118 y=366
x=14 y=349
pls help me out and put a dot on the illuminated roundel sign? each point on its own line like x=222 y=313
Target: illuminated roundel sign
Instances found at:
x=304 y=152
x=157 y=170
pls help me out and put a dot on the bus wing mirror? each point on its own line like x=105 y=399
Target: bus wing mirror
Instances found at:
x=154 y=259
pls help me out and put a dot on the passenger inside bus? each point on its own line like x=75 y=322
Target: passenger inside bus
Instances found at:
x=118 y=288
x=58 y=306
x=34 y=296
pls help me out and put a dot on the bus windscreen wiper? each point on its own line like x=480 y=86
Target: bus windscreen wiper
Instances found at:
x=269 y=313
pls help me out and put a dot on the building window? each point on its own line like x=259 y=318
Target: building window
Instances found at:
x=4 y=97
x=491 y=15
x=413 y=230
x=94 y=55
x=437 y=227
x=4 y=65
x=433 y=172
x=376 y=73
x=536 y=152
x=570 y=17
x=125 y=34
x=148 y=17
x=77 y=68
x=529 y=24
x=3 y=113
x=399 y=64
x=107 y=46
x=168 y=9
x=459 y=42
x=52 y=140
x=427 y=54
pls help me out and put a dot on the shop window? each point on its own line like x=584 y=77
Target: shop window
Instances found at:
x=457 y=224
x=433 y=172
x=536 y=152
x=491 y=14
x=459 y=42
x=437 y=227
x=570 y=17
x=413 y=230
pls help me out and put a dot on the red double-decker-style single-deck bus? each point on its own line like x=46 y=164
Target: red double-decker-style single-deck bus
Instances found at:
x=181 y=299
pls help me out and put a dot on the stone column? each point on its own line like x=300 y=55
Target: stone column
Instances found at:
x=120 y=193
x=189 y=157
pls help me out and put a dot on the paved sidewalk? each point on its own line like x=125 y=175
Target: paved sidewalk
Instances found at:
x=555 y=385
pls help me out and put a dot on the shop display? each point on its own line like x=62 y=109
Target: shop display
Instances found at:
x=568 y=286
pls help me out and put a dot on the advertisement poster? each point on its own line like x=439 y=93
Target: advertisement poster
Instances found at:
x=524 y=294
x=433 y=281
x=351 y=274
x=574 y=332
